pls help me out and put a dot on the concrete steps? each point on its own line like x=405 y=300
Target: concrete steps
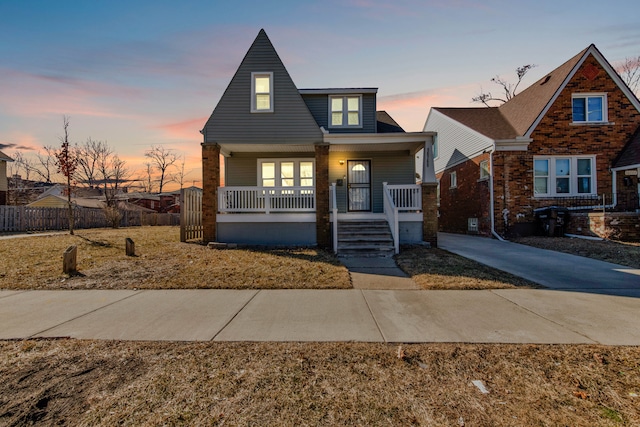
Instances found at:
x=365 y=238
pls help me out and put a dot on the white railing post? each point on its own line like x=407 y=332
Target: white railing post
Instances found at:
x=391 y=213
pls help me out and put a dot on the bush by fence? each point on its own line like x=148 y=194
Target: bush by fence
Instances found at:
x=25 y=219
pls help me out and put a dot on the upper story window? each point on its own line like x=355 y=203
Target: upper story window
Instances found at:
x=484 y=169
x=589 y=107
x=346 y=111
x=261 y=92
x=564 y=176
x=453 y=177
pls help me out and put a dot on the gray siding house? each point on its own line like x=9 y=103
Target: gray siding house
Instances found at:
x=4 y=188
x=301 y=163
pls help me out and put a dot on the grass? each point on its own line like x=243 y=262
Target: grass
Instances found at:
x=439 y=269
x=162 y=262
x=104 y=383
x=623 y=253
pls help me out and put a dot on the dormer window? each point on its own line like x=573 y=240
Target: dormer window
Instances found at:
x=589 y=108
x=345 y=111
x=261 y=92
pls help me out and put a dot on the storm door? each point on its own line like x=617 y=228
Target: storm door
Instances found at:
x=359 y=185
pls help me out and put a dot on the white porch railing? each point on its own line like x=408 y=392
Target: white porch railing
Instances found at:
x=333 y=206
x=391 y=213
x=406 y=197
x=266 y=199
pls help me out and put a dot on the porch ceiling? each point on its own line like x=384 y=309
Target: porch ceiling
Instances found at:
x=228 y=149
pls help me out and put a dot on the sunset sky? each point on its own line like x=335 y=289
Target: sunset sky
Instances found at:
x=137 y=73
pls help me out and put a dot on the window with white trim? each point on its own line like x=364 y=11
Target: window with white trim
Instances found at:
x=261 y=92
x=345 y=111
x=286 y=172
x=589 y=107
x=453 y=179
x=562 y=176
x=484 y=169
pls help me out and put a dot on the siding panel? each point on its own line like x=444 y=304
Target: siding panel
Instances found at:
x=456 y=143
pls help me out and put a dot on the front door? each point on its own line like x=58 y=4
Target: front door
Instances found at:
x=359 y=185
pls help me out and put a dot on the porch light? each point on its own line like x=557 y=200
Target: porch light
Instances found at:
x=341 y=162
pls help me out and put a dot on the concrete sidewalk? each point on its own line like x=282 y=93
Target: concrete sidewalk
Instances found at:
x=394 y=316
x=555 y=270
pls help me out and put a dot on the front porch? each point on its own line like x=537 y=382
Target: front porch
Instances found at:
x=287 y=215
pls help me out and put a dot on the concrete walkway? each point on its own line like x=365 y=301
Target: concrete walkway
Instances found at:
x=555 y=270
x=377 y=273
x=394 y=316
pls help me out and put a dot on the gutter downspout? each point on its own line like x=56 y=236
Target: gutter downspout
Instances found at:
x=491 y=197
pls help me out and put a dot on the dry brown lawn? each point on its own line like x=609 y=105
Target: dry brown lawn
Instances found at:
x=439 y=269
x=162 y=261
x=106 y=383
x=623 y=253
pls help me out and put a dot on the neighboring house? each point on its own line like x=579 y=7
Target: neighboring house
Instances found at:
x=3 y=177
x=555 y=143
x=55 y=201
x=298 y=162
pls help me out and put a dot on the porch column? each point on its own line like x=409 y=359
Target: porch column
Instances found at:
x=210 y=184
x=430 y=213
x=323 y=224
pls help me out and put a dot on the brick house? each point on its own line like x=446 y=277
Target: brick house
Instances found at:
x=301 y=163
x=554 y=144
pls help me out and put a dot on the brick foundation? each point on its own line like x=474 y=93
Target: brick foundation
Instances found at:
x=623 y=226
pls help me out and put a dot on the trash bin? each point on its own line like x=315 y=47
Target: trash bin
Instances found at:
x=552 y=220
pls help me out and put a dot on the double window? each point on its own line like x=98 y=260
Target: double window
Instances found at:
x=286 y=173
x=564 y=176
x=345 y=111
x=589 y=108
x=261 y=92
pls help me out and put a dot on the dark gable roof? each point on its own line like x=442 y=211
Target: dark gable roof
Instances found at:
x=515 y=117
x=489 y=121
x=523 y=109
x=386 y=124
x=630 y=155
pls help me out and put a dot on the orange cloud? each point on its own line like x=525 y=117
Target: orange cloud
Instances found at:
x=185 y=130
x=410 y=109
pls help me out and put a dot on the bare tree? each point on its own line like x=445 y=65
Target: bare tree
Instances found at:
x=67 y=163
x=46 y=163
x=112 y=171
x=89 y=156
x=629 y=70
x=162 y=159
x=146 y=179
x=508 y=90
x=180 y=174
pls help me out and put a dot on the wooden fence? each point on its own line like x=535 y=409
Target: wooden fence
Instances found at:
x=190 y=214
x=30 y=219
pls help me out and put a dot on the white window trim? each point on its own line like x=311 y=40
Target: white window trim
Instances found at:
x=585 y=95
x=573 y=177
x=345 y=112
x=453 y=176
x=296 y=170
x=254 y=108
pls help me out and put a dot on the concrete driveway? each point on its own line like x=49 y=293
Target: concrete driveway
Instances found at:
x=555 y=270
